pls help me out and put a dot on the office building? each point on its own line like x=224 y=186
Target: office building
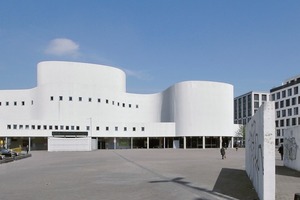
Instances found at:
x=287 y=101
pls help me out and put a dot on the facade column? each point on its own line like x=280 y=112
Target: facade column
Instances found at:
x=147 y=142
x=115 y=143
x=232 y=141
x=221 y=140
x=184 y=142
x=29 y=143
x=6 y=140
x=164 y=142
x=203 y=142
x=131 y=143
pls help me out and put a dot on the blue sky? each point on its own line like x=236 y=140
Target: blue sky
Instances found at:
x=253 y=45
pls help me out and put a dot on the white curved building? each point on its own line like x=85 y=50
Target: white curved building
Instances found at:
x=79 y=106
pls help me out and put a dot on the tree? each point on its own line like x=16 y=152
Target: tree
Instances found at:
x=241 y=132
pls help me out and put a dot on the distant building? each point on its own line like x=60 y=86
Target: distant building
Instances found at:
x=247 y=104
x=287 y=101
x=80 y=106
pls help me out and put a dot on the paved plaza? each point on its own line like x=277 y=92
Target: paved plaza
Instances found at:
x=138 y=174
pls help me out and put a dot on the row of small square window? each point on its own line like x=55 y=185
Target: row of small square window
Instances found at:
x=116 y=128
x=287 y=122
x=80 y=99
x=14 y=103
x=288 y=102
x=289 y=92
x=62 y=127
x=43 y=127
x=288 y=112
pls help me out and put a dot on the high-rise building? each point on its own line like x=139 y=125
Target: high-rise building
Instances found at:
x=287 y=101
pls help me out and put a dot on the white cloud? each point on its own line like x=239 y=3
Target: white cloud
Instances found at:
x=62 y=47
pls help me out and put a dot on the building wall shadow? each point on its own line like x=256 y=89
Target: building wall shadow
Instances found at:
x=235 y=183
x=285 y=171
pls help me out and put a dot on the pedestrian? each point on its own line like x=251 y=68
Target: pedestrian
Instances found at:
x=223 y=153
x=280 y=150
x=27 y=149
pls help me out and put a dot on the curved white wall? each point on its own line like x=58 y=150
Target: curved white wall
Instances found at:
x=196 y=108
x=203 y=108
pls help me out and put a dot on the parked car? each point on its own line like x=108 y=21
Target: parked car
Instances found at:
x=7 y=153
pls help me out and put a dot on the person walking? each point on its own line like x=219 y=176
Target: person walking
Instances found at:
x=223 y=153
x=280 y=150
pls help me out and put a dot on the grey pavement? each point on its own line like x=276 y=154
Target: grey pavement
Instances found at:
x=138 y=174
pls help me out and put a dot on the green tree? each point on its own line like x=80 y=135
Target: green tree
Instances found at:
x=241 y=132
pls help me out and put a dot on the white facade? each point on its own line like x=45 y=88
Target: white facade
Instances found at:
x=287 y=105
x=246 y=105
x=87 y=100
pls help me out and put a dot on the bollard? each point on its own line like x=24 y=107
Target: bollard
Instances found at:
x=297 y=196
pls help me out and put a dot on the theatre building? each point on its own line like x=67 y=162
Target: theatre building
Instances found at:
x=82 y=107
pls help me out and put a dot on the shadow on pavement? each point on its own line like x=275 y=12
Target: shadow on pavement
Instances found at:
x=235 y=183
x=180 y=181
x=285 y=171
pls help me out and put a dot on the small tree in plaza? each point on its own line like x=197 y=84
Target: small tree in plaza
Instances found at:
x=240 y=135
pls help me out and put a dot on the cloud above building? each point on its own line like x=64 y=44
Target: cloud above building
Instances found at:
x=62 y=47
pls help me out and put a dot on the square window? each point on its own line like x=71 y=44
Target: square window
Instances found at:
x=60 y=98
x=99 y=100
x=90 y=99
x=32 y=127
x=51 y=98
x=45 y=127
x=23 y=103
x=133 y=129
x=143 y=128
x=79 y=98
x=125 y=128
x=56 y=127
x=106 y=101
x=7 y=103
x=97 y=128
x=77 y=128
x=107 y=128
x=87 y=128
x=8 y=126
x=296 y=90
x=61 y=127
x=15 y=103
x=116 y=128
x=70 y=98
